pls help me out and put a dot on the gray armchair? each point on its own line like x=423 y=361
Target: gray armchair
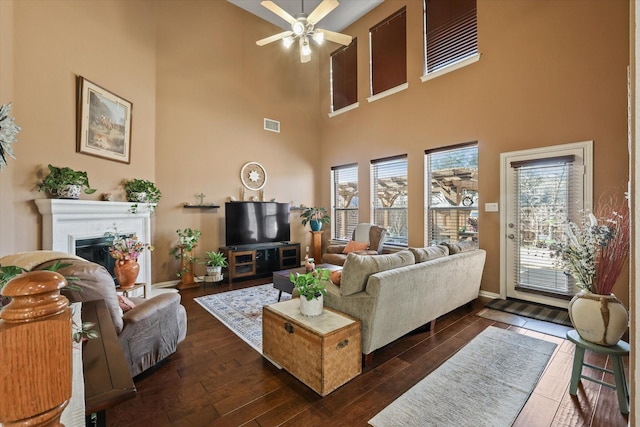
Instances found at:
x=363 y=232
x=148 y=333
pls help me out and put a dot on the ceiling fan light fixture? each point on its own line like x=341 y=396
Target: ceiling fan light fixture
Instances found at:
x=298 y=27
x=305 y=49
x=288 y=41
x=318 y=37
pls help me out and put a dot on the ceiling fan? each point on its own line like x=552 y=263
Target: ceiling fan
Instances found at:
x=303 y=28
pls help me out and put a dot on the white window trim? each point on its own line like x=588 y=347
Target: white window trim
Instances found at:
x=451 y=67
x=388 y=92
x=344 y=109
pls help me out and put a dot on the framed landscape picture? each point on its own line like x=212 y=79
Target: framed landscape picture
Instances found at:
x=104 y=123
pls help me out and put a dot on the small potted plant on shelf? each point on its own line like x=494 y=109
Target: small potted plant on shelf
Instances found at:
x=65 y=183
x=142 y=191
x=187 y=241
x=311 y=290
x=315 y=217
x=215 y=262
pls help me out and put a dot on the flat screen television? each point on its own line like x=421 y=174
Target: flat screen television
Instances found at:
x=256 y=222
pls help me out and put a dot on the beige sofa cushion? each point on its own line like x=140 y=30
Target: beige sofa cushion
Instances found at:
x=358 y=268
x=458 y=247
x=429 y=253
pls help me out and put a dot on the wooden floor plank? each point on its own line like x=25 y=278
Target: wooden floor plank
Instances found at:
x=216 y=379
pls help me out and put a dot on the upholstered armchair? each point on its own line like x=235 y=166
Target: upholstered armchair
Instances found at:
x=148 y=333
x=370 y=234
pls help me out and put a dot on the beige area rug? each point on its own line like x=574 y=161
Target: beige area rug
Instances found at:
x=486 y=383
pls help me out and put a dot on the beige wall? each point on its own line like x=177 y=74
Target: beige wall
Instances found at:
x=214 y=88
x=109 y=43
x=550 y=73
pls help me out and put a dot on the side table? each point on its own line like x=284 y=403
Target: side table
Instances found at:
x=323 y=352
x=615 y=352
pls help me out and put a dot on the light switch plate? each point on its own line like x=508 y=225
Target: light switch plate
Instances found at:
x=491 y=207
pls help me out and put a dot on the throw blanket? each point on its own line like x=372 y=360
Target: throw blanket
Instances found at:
x=30 y=260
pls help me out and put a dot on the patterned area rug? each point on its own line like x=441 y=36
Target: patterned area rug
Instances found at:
x=241 y=310
x=534 y=311
x=485 y=384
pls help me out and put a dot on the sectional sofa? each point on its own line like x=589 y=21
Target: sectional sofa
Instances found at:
x=393 y=294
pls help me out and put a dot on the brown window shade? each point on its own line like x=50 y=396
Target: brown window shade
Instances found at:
x=344 y=76
x=389 y=52
x=452 y=32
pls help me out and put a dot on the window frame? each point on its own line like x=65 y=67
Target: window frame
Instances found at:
x=335 y=210
x=374 y=172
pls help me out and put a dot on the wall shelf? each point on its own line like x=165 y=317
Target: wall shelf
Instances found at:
x=201 y=206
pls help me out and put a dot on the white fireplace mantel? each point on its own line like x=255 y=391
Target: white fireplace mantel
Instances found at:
x=66 y=221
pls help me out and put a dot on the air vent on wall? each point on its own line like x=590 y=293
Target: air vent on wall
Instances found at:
x=272 y=125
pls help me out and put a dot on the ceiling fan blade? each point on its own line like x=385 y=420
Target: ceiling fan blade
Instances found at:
x=336 y=37
x=274 y=38
x=278 y=11
x=322 y=10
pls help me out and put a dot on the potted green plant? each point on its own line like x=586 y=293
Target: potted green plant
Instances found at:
x=311 y=289
x=215 y=262
x=187 y=241
x=142 y=191
x=315 y=217
x=65 y=183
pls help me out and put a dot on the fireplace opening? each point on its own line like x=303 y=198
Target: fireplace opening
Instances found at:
x=97 y=250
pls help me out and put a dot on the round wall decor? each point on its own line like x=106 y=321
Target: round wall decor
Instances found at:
x=253 y=176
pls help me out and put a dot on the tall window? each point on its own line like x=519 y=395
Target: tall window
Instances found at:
x=451 y=187
x=389 y=198
x=451 y=32
x=344 y=76
x=344 y=200
x=388 y=41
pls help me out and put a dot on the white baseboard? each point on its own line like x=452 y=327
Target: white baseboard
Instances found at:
x=489 y=294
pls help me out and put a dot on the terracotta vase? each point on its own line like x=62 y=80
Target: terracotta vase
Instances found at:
x=126 y=272
x=600 y=319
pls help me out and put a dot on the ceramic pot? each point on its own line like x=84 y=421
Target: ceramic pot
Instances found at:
x=69 y=192
x=126 y=272
x=214 y=271
x=315 y=225
x=140 y=197
x=311 y=308
x=600 y=319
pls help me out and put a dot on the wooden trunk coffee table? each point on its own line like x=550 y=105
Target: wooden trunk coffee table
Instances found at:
x=323 y=352
x=282 y=282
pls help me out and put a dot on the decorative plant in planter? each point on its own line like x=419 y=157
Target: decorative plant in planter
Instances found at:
x=311 y=290
x=315 y=217
x=126 y=250
x=142 y=191
x=8 y=132
x=65 y=183
x=187 y=241
x=595 y=253
x=215 y=262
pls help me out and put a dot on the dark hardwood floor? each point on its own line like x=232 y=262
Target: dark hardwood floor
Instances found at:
x=215 y=379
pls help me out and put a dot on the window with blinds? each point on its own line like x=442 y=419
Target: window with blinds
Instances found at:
x=549 y=194
x=451 y=33
x=451 y=187
x=389 y=193
x=344 y=201
x=388 y=50
x=344 y=76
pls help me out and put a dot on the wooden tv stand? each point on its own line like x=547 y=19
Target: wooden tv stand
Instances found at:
x=259 y=260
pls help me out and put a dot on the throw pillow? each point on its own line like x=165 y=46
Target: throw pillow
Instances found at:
x=358 y=268
x=458 y=247
x=353 y=246
x=429 y=253
x=335 y=276
x=125 y=303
